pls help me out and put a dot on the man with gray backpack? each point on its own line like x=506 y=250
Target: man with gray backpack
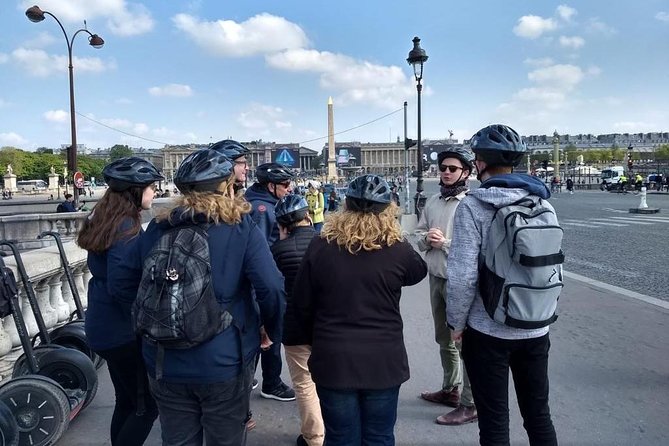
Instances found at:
x=505 y=278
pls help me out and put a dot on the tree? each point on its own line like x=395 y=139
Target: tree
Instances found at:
x=119 y=151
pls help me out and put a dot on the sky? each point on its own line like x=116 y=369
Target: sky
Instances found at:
x=180 y=72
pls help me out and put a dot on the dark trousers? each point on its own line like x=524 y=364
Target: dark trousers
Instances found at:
x=193 y=413
x=131 y=422
x=271 y=363
x=488 y=360
x=359 y=417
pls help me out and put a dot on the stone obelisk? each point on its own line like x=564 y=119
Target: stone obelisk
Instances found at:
x=332 y=163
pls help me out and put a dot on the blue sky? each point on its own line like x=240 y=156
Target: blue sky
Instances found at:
x=198 y=71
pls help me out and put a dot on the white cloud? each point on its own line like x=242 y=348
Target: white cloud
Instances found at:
x=4 y=58
x=173 y=90
x=123 y=18
x=662 y=16
x=573 y=42
x=561 y=76
x=262 y=117
x=59 y=116
x=596 y=26
x=282 y=124
x=123 y=101
x=594 y=71
x=566 y=12
x=541 y=62
x=532 y=26
x=42 y=40
x=41 y=64
x=11 y=139
x=261 y=34
x=635 y=126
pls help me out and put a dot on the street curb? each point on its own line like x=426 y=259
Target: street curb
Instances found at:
x=618 y=290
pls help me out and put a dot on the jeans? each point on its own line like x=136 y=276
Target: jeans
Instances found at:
x=318 y=227
x=488 y=360
x=308 y=406
x=192 y=413
x=359 y=417
x=271 y=363
x=129 y=426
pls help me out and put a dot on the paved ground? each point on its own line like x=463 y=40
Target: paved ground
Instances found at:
x=609 y=373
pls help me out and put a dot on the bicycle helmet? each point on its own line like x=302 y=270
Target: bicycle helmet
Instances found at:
x=230 y=148
x=368 y=193
x=291 y=209
x=273 y=173
x=498 y=145
x=465 y=155
x=130 y=171
x=203 y=170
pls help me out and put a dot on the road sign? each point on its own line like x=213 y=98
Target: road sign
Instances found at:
x=78 y=180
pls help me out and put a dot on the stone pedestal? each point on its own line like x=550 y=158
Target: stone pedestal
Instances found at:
x=53 y=182
x=10 y=182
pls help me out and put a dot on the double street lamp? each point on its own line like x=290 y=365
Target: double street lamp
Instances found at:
x=417 y=57
x=35 y=14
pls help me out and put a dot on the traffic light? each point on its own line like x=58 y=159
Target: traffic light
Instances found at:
x=630 y=163
x=408 y=143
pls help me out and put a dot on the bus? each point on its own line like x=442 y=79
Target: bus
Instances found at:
x=32 y=185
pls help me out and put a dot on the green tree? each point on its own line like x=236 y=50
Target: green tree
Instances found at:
x=91 y=167
x=662 y=152
x=119 y=151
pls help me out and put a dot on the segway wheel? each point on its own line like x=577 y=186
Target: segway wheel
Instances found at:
x=40 y=408
x=75 y=373
x=9 y=431
x=21 y=365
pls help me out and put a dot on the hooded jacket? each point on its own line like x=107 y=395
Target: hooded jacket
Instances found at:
x=263 y=203
x=470 y=235
x=240 y=258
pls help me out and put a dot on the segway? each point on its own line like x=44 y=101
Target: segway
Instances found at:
x=9 y=431
x=70 y=334
x=69 y=367
x=40 y=407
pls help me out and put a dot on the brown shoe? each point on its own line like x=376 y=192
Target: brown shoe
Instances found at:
x=450 y=398
x=461 y=415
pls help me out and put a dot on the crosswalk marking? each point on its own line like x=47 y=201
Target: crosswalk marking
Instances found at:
x=608 y=223
x=615 y=210
x=658 y=219
x=584 y=225
x=632 y=220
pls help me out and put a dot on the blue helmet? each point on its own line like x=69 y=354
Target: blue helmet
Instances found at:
x=130 y=171
x=498 y=145
x=273 y=173
x=291 y=209
x=230 y=148
x=368 y=193
x=202 y=170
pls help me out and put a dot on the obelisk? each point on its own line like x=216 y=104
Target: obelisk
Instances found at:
x=332 y=163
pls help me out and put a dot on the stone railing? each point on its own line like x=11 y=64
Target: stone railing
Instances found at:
x=51 y=289
x=23 y=229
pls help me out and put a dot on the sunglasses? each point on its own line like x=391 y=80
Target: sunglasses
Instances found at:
x=451 y=169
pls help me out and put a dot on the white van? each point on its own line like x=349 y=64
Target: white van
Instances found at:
x=610 y=176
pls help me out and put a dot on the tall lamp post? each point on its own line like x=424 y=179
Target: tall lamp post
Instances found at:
x=35 y=14
x=417 y=57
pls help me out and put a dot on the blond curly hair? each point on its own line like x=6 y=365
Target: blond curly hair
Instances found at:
x=366 y=231
x=220 y=206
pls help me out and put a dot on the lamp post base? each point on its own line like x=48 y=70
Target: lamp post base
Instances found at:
x=419 y=203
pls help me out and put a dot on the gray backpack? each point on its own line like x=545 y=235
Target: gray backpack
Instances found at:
x=520 y=270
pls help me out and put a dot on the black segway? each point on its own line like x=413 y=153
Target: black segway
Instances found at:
x=69 y=367
x=39 y=406
x=9 y=431
x=70 y=334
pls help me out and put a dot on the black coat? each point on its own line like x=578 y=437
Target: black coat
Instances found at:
x=351 y=306
x=288 y=255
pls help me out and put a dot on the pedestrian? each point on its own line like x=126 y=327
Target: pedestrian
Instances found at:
x=332 y=201
x=203 y=394
x=295 y=234
x=273 y=183
x=490 y=348
x=570 y=186
x=434 y=230
x=351 y=315
x=395 y=195
x=68 y=205
x=112 y=235
x=237 y=153
x=316 y=205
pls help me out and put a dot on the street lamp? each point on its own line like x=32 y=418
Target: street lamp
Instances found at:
x=35 y=14
x=417 y=57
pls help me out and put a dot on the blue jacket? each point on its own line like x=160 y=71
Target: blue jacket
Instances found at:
x=263 y=203
x=111 y=292
x=240 y=258
x=68 y=206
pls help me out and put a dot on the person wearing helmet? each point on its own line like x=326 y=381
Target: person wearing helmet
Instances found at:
x=434 y=230
x=237 y=153
x=204 y=392
x=351 y=314
x=274 y=182
x=316 y=205
x=490 y=348
x=111 y=234
x=295 y=234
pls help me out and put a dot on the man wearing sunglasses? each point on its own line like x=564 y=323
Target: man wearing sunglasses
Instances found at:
x=434 y=229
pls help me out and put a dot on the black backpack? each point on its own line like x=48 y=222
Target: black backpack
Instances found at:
x=60 y=208
x=176 y=307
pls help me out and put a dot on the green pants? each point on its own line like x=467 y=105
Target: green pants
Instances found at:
x=454 y=372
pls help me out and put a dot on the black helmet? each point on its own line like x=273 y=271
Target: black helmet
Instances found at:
x=368 y=193
x=130 y=171
x=202 y=170
x=498 y=145
x=230 y=148
x=464 y=154
x=290 y=209
x=273 y=173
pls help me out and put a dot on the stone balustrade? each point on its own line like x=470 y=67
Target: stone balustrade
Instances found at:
x=23 y=229
x=49 y=282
